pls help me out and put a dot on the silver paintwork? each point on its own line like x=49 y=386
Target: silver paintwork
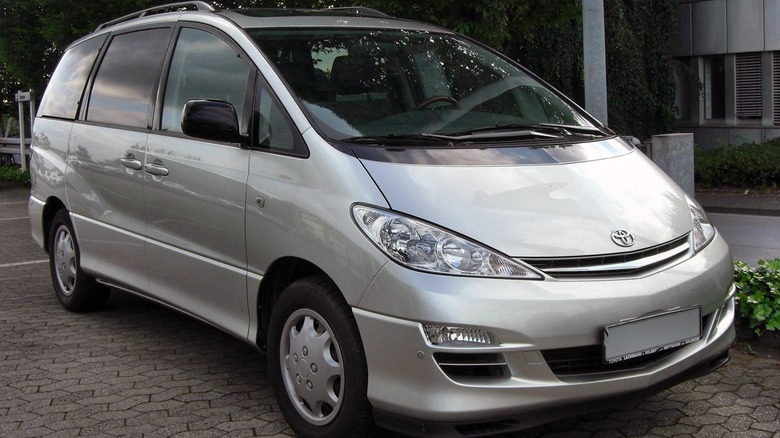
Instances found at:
x=178 y=220
x=194 y=225
x=526 y=211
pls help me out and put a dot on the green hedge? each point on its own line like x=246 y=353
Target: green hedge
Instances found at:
x=14 y=173
x=749 y=165
x=758 y=294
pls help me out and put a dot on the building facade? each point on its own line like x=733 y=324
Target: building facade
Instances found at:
x=728 y=78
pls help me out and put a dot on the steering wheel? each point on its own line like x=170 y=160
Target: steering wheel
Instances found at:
x=435 y=99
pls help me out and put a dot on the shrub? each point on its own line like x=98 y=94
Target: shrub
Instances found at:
x=758 y=294
x=749 y=165
x=13 y=173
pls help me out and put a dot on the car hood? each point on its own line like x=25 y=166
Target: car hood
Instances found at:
x=542 y=210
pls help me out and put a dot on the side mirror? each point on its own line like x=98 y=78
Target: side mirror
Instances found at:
x=211 y=120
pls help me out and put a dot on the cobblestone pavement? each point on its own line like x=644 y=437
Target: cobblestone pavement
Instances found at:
x=137 y=369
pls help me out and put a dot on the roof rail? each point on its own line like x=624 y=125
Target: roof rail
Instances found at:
x=199 y=5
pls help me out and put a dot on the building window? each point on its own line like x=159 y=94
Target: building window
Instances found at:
x=748 y=92
x=714 y=88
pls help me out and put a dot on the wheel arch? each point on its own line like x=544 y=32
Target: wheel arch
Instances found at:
x=280 y=274
x=50 y=209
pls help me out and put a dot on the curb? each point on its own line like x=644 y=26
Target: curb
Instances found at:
x=741 y=210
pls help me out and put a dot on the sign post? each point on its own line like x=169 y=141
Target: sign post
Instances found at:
x=22 y=97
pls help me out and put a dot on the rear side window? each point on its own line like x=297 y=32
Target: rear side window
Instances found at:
x=127 y=78
x=63 y=95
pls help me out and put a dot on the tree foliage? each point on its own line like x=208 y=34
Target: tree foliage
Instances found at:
x=545 y=35
x=640 y=85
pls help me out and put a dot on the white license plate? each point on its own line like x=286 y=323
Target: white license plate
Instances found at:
x=651 y=334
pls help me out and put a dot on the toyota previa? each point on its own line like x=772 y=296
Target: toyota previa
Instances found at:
x=414 y=230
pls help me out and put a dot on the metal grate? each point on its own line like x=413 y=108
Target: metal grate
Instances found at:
x=609 y=265
x=776 y=85
x=749 y=85
x=472 y=365
x=587 y=360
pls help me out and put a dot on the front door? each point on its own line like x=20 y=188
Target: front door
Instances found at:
x=195 y=194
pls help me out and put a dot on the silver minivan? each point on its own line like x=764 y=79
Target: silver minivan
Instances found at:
x=418 y=232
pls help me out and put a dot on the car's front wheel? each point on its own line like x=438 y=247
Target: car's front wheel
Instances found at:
x=75 y=290
x=317 y=362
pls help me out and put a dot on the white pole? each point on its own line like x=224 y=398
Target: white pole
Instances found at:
x=22 y=146
x=32 y=111
x=595 y=59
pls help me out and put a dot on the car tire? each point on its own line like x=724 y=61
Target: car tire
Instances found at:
x=75 y=290
x=317 y=363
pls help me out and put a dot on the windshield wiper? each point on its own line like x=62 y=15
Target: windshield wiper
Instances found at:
x=507 y=131
x=548 y=130
x=471 y=135
x=421 y=139
x=407 y=139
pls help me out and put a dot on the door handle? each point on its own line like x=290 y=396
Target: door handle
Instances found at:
x=156 y=168
x=131 y=163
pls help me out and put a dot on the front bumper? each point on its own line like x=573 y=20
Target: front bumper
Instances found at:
x=412 y=392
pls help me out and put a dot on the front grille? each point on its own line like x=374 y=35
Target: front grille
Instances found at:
x=621 y=264
x=590 y=360
x=460 y=366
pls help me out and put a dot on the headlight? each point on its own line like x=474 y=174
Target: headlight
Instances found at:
x=703 y=231
x=425 y=247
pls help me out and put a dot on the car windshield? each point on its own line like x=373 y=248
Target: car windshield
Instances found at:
x=364 y=84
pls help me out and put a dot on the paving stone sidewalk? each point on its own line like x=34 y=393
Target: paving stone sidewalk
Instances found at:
x=139 y=370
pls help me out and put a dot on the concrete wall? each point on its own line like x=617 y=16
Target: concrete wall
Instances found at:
x=716 y=27
x=727 y=28
x=673 y=153
x=710 y=136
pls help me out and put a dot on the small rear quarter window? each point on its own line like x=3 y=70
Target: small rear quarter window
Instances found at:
x=66 y=86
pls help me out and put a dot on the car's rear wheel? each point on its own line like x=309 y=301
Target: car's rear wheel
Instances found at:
x=75 y=290
x=317 y=363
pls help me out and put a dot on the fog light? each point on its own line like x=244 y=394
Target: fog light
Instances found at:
x=439 y=334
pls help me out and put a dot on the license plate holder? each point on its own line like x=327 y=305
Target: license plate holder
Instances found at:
x=642 y=336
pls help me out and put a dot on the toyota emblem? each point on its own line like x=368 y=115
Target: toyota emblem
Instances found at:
x=623 y=238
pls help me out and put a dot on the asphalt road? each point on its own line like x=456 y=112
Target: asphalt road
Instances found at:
x=137 y=369
x=751 y=238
